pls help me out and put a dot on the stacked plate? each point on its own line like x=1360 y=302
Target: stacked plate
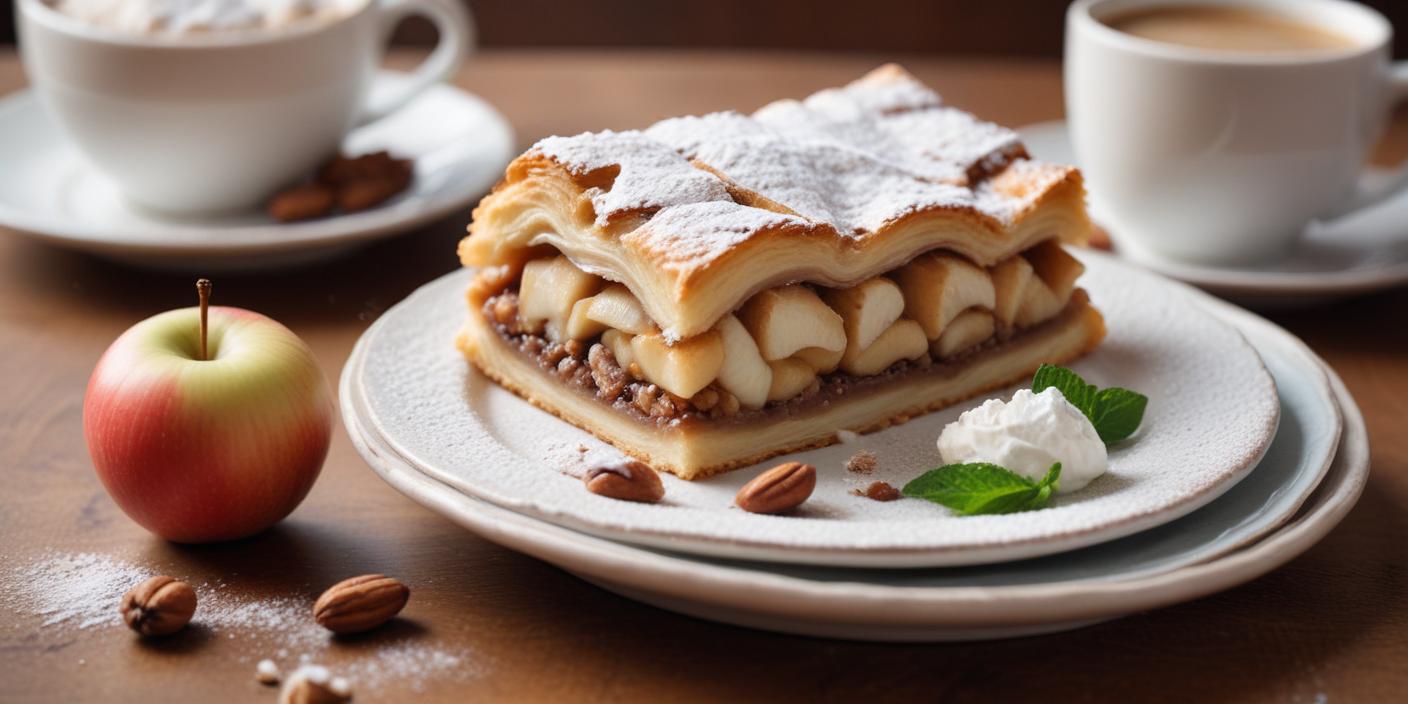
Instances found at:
x=1251 y=450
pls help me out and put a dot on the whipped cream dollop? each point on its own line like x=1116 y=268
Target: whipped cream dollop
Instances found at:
x=190 y=16
x=1027 y=435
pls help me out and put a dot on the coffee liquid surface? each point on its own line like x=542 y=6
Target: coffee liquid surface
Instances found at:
x=1228 y=29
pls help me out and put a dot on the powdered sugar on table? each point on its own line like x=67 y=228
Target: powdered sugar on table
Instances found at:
x=79 y=593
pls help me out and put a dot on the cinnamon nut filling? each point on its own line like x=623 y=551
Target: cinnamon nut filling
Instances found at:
x=591 y=368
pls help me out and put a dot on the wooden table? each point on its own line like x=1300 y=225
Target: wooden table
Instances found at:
x=1332 y=625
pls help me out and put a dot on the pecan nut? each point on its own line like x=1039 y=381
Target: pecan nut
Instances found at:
x=779 y=489
x=304 y=202
x=159 y=606
x=360 y=603
x=628 y=481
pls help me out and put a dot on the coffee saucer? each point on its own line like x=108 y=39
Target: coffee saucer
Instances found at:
x=1362 y=253
x=48 y=192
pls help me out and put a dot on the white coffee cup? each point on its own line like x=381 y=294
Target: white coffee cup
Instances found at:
x=200 y=124
x=1220 y=157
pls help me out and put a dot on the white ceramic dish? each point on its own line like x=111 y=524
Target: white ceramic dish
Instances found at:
x=1295 y=463
x=1200 y=554
x=1362 y=253
x=1187 y=559
x=1197 y=441
x=459 y=142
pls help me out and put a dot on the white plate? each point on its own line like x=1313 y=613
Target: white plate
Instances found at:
x=1163 y=566
x=1182 y=561
x=1359 y=254
x=47 y=191
x=1212 y=415
x=1292 y=467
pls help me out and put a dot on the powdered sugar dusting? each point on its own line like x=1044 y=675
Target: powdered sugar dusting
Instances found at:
x=854 y=159
x=575 y=458
x=821 y=179
x=80 y=592
x=898 y=120
x=651 y=174
x=1010 y=194
x=886 y=90
x=405 y=661
x=687 y=233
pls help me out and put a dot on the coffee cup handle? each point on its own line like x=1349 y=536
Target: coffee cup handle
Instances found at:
x=1381 y=189
x=456 y=29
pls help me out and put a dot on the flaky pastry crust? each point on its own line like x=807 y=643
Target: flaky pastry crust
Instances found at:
x=696 y=214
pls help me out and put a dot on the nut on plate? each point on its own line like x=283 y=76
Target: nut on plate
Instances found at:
x=159 y=606
x=360 y=603
x=779 y=489
x=628 y=481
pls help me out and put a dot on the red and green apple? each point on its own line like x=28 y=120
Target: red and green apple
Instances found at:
x=209 y=446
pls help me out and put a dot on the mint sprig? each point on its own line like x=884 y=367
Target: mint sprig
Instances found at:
x=1115 y=412
x=983 y=488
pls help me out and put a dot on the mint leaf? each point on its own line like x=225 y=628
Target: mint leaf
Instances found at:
x=1080 y=394
x=1115 y=412
x=983 y=488
x=1052 y=478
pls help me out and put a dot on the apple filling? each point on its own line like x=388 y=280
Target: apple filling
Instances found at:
x=784 y=344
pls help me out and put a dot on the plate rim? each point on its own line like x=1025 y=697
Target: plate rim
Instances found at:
x=347 y=229
x=851 y=605
x=968 y=554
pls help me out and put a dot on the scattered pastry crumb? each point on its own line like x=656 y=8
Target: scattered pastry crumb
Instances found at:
x=315 y=683
x=862 y=462
x=266 y=672
x=573 y=458
x=847 y=436
x=879 y=491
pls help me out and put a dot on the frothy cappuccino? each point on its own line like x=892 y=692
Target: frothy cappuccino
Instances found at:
x=178 y=17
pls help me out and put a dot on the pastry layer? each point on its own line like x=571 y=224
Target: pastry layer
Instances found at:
x=697 y=447
x=695 y=215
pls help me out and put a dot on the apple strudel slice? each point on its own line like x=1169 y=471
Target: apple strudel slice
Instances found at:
x=712 y=291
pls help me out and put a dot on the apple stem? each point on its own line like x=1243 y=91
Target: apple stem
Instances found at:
x=203 y=290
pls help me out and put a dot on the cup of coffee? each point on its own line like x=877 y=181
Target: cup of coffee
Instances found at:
x=1215 y=133
x=203 y=108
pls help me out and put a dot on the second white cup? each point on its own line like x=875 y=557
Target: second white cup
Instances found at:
x=1217 y=157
